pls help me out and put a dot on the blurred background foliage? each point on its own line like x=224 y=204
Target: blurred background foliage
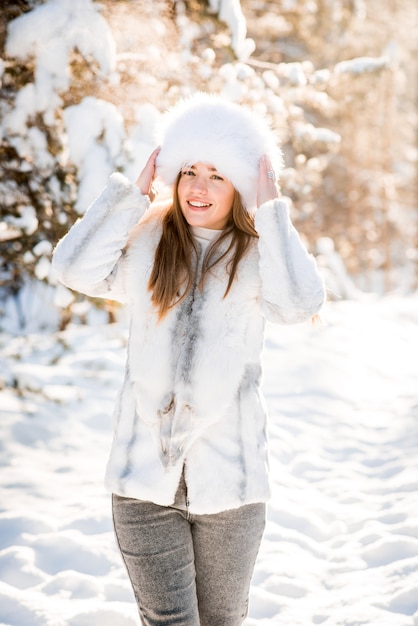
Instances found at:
x=337 y=79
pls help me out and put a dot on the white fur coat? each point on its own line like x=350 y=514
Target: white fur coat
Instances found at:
x=191 y=396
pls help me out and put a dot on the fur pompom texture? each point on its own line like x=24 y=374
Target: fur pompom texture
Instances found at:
x=229 y=136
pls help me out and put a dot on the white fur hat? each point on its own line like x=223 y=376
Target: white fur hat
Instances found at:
x=206 y=128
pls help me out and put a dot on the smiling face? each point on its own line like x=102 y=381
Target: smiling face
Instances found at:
x=205 y=196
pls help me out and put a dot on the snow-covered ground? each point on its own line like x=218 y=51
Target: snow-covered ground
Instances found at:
x=341 y=543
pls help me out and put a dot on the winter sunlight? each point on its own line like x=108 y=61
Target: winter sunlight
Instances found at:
x=83 y=85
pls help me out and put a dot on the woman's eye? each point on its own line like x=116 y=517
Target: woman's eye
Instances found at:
x=193 y=173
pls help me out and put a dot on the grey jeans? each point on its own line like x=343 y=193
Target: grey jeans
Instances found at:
x=188 y=570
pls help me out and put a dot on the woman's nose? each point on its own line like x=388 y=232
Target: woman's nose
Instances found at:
x=199 y=184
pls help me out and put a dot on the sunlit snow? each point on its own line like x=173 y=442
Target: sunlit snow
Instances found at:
x=341 y=543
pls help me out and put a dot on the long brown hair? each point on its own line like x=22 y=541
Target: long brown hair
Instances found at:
x=174 y=270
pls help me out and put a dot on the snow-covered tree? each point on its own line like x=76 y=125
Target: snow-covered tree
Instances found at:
x=83 y=85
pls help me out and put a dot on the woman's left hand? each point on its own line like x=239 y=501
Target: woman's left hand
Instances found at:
x=267 y=188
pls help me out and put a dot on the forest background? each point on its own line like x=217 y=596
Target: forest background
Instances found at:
x=337 y=80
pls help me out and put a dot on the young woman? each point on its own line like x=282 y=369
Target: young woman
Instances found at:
x=188 y=467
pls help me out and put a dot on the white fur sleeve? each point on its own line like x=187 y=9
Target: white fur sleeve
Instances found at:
x=293 y=289
x=87 y=259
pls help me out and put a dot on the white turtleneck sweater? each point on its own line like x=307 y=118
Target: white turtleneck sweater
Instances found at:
x=205 y=236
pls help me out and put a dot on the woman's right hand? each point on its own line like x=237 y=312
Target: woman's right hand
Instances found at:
x=146 y=177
